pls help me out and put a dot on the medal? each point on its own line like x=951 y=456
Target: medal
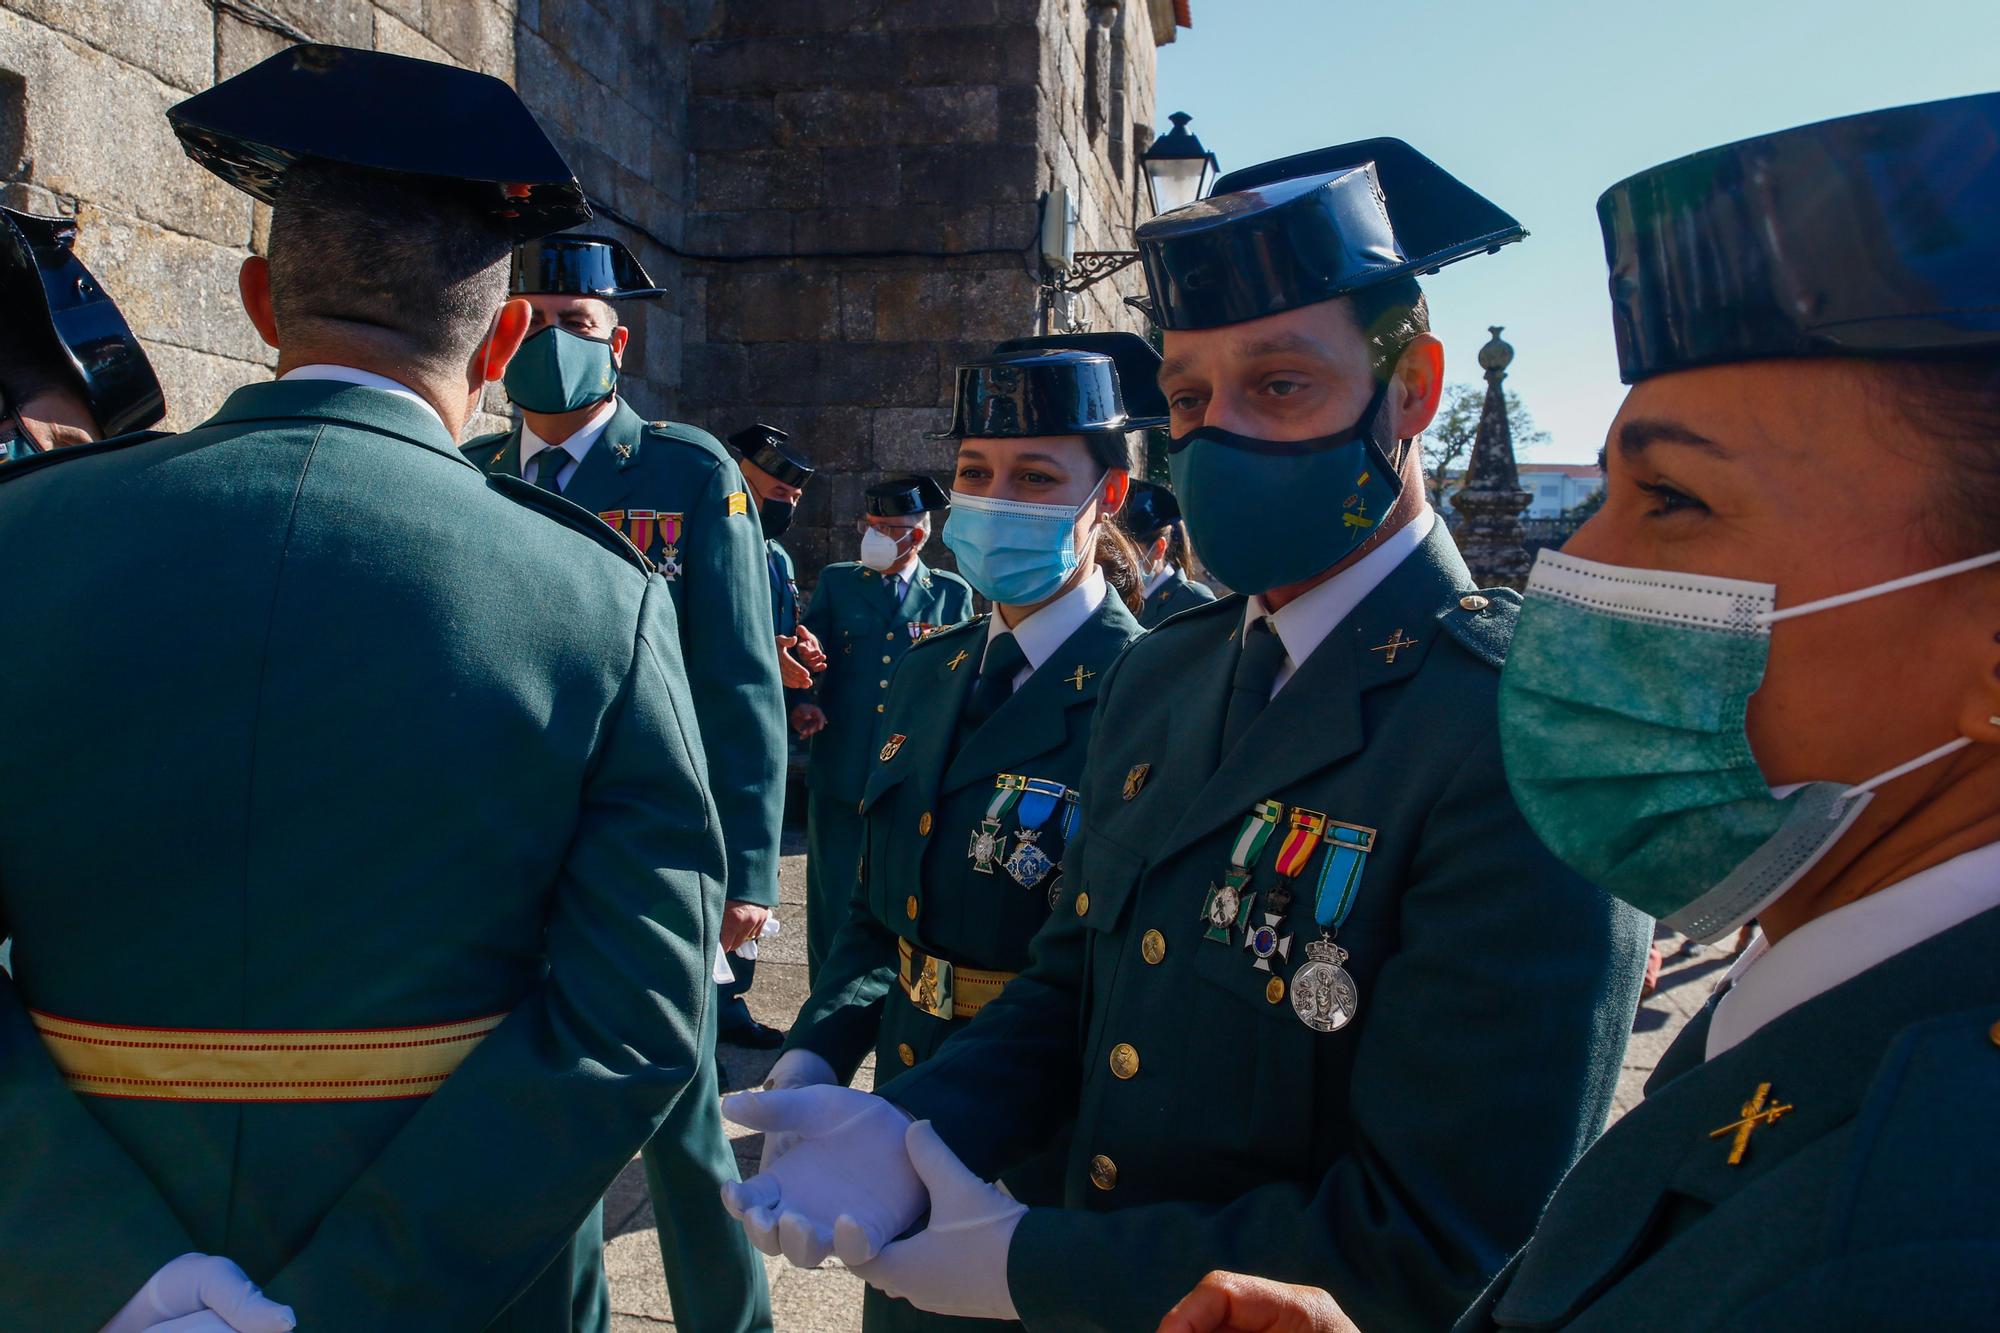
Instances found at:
x=1267 y=941
x=1029 y=864
x=1226 y=908
x=987 y=840
x=1324 y=995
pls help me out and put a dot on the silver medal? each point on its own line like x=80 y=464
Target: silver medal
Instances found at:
x=1029 y=864
x=1323 y=994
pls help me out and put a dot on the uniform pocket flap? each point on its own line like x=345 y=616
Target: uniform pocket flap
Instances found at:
x=1101 y=879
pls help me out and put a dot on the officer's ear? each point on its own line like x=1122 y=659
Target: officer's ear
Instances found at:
x=253 y=283
x=510 y=329
x=1117 y=485
x=1415 y=387
x=619 y=337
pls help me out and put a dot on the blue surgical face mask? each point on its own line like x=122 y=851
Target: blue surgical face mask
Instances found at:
x=1268 y=513
x=1622 y=725
x=560 y=371
x=1013 y=552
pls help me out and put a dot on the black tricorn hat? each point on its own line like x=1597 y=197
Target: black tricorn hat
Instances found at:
x=1036 y=392
x=388 y=113
x=573 y=264
x=900 y=497
x=1871 y=235
x=1149 y=507
x=55 y=303
x=1138 y=369
x=771 y=449
x=1310 y=228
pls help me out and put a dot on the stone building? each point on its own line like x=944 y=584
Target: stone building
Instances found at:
x=842 y=196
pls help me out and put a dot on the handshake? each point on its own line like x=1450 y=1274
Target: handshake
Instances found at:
x=844 y=1174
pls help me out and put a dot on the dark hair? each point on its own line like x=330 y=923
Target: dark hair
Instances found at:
x=1957 y=401
x=1390 y=316
x=380 y=257
x=27 y=364
x=1116 y=555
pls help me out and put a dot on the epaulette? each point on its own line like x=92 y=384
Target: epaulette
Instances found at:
x=933 y=635
x=485 y=446
x=1230 y=606
x=571 y=516
x=680 y=432
x=21 y=467
x=1483 y=623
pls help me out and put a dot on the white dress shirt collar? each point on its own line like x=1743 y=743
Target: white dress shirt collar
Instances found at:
x=1044 y=631
x=1771 y=980
x=1304 y=622
x=576 y=446
x=1159 y=580
x=366 y=379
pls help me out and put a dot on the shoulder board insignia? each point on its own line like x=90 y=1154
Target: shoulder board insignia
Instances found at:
x=569 y=515
x=737 y=503
x=21 y=467
x=1483 y=623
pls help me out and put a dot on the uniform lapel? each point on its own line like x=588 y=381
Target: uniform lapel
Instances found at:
x=916 y=598
x=605 y=476
x=920 y=756
x=506 y=459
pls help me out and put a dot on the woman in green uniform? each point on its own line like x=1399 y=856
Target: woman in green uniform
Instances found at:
x=971 y=793
x=1152 y=517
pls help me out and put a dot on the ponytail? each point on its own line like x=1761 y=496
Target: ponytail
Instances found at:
x=1119 y=559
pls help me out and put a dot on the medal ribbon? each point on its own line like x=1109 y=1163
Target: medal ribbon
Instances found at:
x=1069 y=815
x=1301 y=842
x=1039 y=800
x=1008 y=789
x=1348 y=846
x=1256 y=831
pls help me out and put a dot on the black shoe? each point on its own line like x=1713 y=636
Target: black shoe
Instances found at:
x=755 y=1036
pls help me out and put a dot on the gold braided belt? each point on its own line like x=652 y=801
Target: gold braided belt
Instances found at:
x=200 y=1065
x=945 y=990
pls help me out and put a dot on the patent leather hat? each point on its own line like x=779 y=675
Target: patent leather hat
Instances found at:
x=56 y=305
x=573 y=264
x=1313 y=227
x=1034 y=393
x=1870 y=235
x=1149 y=507
x=900 y=497
x=1138 y=369
x=771 y=449
x=437 y=123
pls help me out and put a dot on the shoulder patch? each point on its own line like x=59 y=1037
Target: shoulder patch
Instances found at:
x=736 y=502
x=21 y=467
x=569 y=515
x=938 y=634
x=1483 y=623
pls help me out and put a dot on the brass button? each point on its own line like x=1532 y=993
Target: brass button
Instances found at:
x=885 y=684
x=906 y=1055
x=1153 y=946
x=881 y=708
x=1124 y=1060
x=1473 y=602
x=891 y=635
x=1274 y=989
x=924 y=824
x=885 y=659
x=910 y=907
x=1082 y=904
x=1103 y=1172
x=1994 y=1033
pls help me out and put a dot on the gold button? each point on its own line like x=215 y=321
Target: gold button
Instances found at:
x=1103 y=1172
x=1153 y=946
x=910 y=907
x=906 y=1055
x=1473 y=602
x=885 y=659
x=881 y=708
x=1124 y=1060
x=1994 y=1033
x=1274 y=989
x=924 y=824
x=885 y=684
x=1082 y=903
x=890 y=635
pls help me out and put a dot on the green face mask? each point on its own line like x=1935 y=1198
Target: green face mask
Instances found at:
x=560 y=371
x=1622 y=714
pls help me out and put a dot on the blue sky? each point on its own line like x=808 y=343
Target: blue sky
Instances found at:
x=1541 y=104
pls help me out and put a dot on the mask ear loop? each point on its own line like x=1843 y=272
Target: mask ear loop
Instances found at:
x=1880 y=589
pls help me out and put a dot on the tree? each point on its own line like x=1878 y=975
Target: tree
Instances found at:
x=1449 y=440
x=1584 y=508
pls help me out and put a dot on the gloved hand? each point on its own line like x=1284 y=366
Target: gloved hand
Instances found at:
x=201 y=1293
x=798 y=1068
x=957 y=1265
x=848 y=1161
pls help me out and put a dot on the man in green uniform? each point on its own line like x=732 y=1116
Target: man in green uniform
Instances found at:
x=1315 y=1002
x=672 y=490
x=866 y=614
x=70 y=369
x=1153 y=519
x=393 y=946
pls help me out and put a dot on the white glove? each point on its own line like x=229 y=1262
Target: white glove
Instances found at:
x=957 y=1265
x=848 y=1161
x=796 y=1068
x=201 y=1293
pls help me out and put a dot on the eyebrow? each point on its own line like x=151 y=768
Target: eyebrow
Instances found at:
x=1642 y=433
x=1282 y=344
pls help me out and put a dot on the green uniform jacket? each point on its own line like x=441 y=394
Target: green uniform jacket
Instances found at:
x=676 y=491
x=1870 y=1205
x=361 y=783
x=865 y=630
x=1397 y=1161
x=924 y=802
x=784 y=579
x=1179 y=593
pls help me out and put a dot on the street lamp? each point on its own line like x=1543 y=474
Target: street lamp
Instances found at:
x=1178 y=169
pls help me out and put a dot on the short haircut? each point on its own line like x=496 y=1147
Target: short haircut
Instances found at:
x=392 y=260
x=1390 y=316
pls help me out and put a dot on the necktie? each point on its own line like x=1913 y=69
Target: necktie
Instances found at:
x=1256 y=671
x=548 y=467
x=1004 y=660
